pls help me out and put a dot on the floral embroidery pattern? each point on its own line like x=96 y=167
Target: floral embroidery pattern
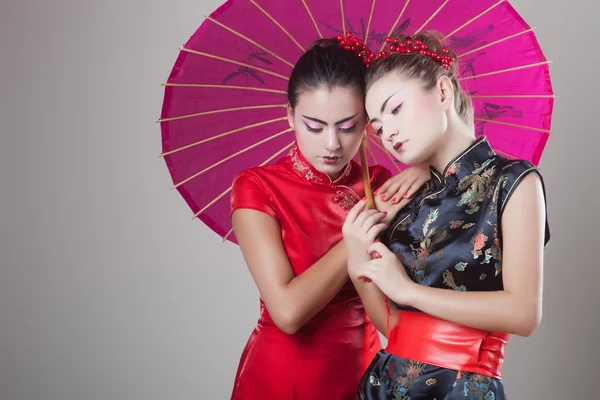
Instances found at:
x=461 y=266
x=454 y=168
x=478 y=387
x=450 y=237
x=459 y=224
x=478 y=244
x=409 y=373
x=456 y=224
x=304 y=169
x=449 y=281
x=478 y=187
x=426 y=246
x=346 y=201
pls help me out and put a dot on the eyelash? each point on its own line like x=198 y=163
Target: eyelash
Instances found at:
x=344 y=130
x=395 y=111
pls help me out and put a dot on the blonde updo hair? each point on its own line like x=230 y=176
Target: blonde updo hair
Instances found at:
x=423 y=67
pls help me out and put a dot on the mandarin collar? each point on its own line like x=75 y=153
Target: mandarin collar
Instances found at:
x=464 y=164
x=307 y=171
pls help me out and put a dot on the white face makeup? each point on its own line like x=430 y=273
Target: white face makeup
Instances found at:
x=329 y=125
x=408 y=118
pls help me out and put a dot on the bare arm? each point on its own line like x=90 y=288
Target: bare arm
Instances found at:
x=291 y=300
x=374 y=302
x=362 y=228
x=518 y=308
x=391 y=197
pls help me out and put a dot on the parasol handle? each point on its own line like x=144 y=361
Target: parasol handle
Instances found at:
x=365 y=172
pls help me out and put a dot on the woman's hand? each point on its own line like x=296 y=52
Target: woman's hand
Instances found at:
x=404 y=185
x=387 y=272
x=398 y=191
x=361 y=229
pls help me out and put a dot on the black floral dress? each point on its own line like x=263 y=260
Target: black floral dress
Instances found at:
x=450 y=237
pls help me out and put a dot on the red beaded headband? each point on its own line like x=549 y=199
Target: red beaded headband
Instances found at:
x=408 y=46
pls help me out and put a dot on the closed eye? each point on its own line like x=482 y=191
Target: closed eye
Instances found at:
x=396 y=110
x=315 y=130
x=348 y=130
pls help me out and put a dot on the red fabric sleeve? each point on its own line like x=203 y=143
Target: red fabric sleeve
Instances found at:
x=248 y=191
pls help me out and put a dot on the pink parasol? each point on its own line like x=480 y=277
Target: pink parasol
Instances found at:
x=224 y=103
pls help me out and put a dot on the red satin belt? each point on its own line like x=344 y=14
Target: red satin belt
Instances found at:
x=420 y=337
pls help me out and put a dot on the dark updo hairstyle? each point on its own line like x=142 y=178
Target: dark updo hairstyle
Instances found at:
x=425 y=68
x=326 y=63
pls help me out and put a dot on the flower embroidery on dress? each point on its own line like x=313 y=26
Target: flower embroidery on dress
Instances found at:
x=454 y=168
x=305 y=169
x=478 y=185
x=406 y=377
x=449 y=236
x=456 y=224
x=346 y=201
x=449 y=281
x=374 y=380
x=426 y=246
x=461 y=266
x=346 y=172
x=479 y=386
x=301 y=167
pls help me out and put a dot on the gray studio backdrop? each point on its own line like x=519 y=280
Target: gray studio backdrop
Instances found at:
x=108 y=291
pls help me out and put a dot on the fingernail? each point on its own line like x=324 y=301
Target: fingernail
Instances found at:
x=405 y=196
x=364 y=198
x=394 y=200
x=384 y=212
x=383 y=197
x=376 y=192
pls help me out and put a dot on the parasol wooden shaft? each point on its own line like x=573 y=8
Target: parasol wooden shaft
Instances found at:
x=365 y=171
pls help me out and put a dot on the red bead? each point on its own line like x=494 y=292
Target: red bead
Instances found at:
x=348 y=34
x=363 y=47
x=409 y=42
x=422 y=51
x=396 y=41
x=340 y=38
x=346 y=47
x=392 y=48
x=408 y=51
x=388 y=39
x=445 y=50
x=418 y=42
x=424 y=46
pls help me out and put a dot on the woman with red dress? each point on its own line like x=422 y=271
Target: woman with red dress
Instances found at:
x=313 y=339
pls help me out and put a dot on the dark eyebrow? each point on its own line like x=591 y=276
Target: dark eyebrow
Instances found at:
x=383 y=106
x=325 y=123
